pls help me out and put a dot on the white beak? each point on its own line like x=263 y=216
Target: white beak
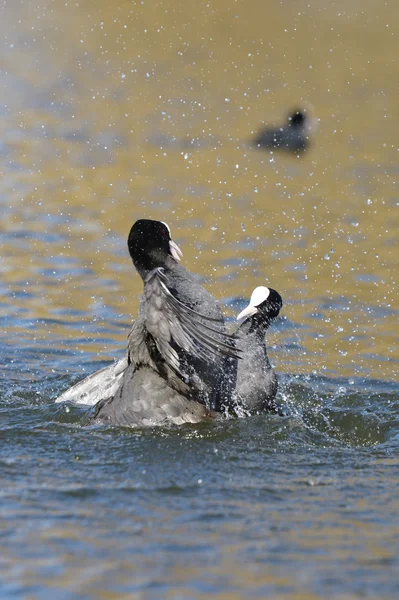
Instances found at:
x=259 y=295
x=175 y=250
x=247 y=312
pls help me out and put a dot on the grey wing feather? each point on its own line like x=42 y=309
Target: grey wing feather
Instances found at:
x=139 y=347
x=219 y=342
x=98 y=386
x=163 y=405
x=170 y=326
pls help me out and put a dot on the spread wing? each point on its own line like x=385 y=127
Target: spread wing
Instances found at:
x=97 y=386
x=166 y=329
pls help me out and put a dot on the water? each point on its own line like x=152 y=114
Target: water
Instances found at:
x=112 y=113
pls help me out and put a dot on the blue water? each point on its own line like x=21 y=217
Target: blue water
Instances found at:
x=259 y=507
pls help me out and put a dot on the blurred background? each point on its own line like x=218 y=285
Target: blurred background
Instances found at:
x=115 y=111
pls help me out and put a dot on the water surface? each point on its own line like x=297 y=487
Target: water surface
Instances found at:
x=114 y=112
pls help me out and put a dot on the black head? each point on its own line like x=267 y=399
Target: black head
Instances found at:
x=150 y=244
x=271 y=306
x=297 y=118
x=264 y=305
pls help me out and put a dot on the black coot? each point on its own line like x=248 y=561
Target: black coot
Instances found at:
x=256 y=385
x=293 y=136
x=150 y=246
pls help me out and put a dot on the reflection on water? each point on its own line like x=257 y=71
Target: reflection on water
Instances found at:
x=111 y=113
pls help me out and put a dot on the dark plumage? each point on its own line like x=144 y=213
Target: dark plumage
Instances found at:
x=292 y=137
x=150 y=246
x=143 y=399
x=160 y=385
x=256 y=385
x=182 y=363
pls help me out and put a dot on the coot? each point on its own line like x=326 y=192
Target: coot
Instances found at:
x=256 y=385
x=151 y=247
x=293 y=136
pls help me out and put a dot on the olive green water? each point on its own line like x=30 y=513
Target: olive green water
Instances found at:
x=116 y=111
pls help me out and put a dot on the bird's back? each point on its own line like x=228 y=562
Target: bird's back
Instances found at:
x=144 y=399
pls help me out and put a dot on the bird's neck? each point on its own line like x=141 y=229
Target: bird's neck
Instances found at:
x=255 y=326
x=144 y=263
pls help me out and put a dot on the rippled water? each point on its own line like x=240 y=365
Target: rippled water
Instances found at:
x=112 y=113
